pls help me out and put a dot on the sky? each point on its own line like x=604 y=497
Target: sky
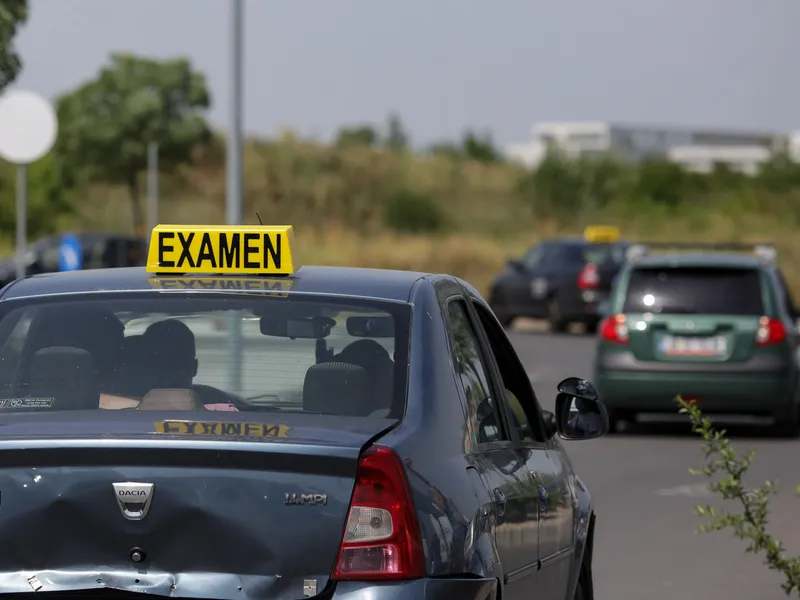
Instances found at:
x=445 y=65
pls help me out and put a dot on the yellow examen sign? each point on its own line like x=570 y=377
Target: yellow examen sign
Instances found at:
x=598 y=234
x=222 y=250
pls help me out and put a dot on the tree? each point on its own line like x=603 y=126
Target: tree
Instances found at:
x=107 y=124
x=362 y=135
x=396 y=136
x=727 y=471
x=480 y=148
x=48 y=200
x=13 y=13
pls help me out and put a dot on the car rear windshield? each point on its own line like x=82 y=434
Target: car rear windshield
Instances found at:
x=695 y=290
x=201 y=351
x=598 y=254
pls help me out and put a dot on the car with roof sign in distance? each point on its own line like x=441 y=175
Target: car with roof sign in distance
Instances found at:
x=226 y=423
x=563 y=280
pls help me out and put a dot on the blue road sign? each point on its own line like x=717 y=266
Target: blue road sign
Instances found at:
x=70 y=254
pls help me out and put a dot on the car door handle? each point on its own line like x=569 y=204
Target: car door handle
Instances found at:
x=500 y=502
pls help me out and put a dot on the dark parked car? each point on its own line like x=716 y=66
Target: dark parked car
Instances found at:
x=563 y=280
x=365 y=434
x=100 y=251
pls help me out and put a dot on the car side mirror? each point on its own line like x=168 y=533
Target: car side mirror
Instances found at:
x=516 y=265
x=580 y=415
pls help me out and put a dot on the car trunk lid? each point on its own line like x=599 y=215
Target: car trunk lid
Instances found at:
x=237 y=508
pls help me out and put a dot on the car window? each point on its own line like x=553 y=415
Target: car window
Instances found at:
x=11 y=349
x=695 y=290
x=49 y=259
x=483 y=417
x=786 y=295
x=320 y=355
x=533 y=257
x=601 y=254
x=523 y=409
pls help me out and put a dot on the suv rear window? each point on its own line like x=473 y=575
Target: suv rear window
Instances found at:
x=317 y=355
x=598 y=254
x=695 y=290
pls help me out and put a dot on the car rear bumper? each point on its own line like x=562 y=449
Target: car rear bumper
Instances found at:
x=421 y=589
x=582 y=305
x=758 y=387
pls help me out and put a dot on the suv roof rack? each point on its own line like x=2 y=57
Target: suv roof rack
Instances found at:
x=765 y=252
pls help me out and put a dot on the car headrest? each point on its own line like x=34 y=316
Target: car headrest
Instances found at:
x=337 y=388
x=171 y=399
x=67 y=375
x=377 y=362
x=135 y=375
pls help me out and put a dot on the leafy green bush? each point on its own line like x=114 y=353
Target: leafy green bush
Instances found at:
x=408 y=211
x=48 y=198
x=727 y=470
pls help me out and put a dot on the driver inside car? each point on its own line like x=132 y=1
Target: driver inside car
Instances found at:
x=171 y=345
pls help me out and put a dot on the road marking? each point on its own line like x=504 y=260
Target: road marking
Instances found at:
x=696 y=490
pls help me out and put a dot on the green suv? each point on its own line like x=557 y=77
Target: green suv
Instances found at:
x=721 y=330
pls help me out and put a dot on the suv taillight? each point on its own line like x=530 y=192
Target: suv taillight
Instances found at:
x=770 y=331
x=588 y=278
x=614 y=329
x=382 y=538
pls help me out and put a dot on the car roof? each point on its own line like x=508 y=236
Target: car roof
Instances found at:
x=381 y=284
x=698 y=259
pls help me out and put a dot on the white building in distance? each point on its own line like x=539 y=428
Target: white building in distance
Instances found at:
x=697 y=149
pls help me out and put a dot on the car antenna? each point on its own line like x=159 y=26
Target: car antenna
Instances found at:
x=260 y=222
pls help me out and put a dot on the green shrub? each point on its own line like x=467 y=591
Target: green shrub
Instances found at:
x=727 y=471
x=407 y=211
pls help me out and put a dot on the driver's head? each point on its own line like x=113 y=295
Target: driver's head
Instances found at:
x=172 y=346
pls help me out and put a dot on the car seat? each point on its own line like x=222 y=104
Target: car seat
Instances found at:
x=375 y=360
x=134 y=374
x=337 y=388
x=97 y=331
x=67 y=376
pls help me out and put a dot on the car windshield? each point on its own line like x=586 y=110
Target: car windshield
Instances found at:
x=204 y=352
x=695 y=290
x=598 y=254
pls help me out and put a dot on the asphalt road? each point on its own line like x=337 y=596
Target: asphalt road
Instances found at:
x=646 y=545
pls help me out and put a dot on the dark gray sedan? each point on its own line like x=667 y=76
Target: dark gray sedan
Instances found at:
x=337 y=434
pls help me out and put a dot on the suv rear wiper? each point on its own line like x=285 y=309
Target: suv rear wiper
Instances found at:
x=675 y=310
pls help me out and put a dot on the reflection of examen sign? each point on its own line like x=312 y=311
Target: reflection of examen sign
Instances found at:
x=216 y=428
x=245 y=250
x=275 y=287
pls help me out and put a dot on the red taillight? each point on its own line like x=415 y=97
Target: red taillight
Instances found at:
x=770 y=331
x=382 y=538
x=588 y=277
x=615 y=329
